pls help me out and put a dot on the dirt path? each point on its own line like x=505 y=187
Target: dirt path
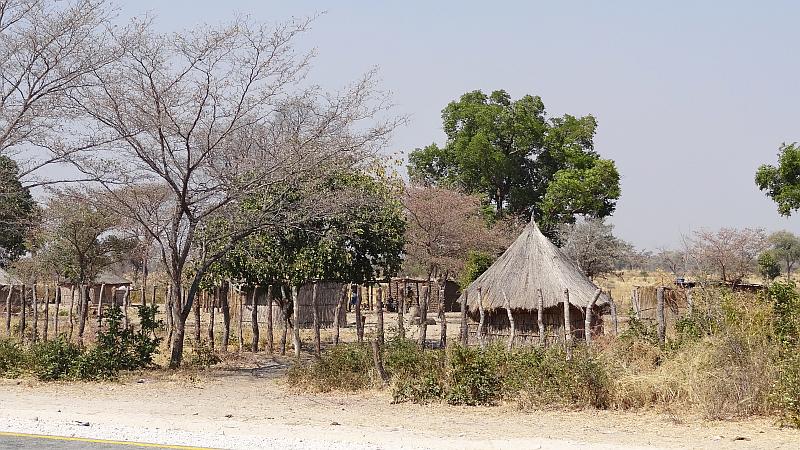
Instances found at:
x=254 y=409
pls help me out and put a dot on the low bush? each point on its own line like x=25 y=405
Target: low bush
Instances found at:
x=203 y=355
x=12 y=358
x=53 y=359
x=346 y=367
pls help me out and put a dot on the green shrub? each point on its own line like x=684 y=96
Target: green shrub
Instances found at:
x=472 y=377
x=346 y=367
x=12 y=358
x=54 y=359
x=203 y=355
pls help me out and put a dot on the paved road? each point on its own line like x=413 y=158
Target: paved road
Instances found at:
x=17 y=441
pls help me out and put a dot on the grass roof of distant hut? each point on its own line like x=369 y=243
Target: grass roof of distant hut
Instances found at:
x=6 y=279
x=530 y=264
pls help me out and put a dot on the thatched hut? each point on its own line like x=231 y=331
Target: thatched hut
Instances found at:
x=533 y=271
x=112 y=286
x=12 y=284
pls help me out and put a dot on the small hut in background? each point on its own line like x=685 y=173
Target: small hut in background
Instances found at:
x=113 y=287
x=329 y=294
x=10 y=283
x=409 y=289
x=533 y=271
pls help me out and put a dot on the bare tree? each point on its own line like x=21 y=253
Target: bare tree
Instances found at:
x=48 y=49
x=728 y=252
x=214 y=117
x=591 y=244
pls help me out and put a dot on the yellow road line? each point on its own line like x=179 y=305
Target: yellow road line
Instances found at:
x=99 y=441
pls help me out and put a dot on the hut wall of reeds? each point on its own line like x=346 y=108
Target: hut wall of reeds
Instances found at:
x=329 y=294
x=409 y=289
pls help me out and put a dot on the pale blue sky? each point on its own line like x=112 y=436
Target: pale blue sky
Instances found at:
x=690 y=96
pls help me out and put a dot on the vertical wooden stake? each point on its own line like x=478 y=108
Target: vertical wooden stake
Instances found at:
x=166 y=301
x=540 y=320
x=635 y=301
x=379 y=314
x=464 y=331
x=100 y=308
x=58 y=308
x=482 y=322
x=226 y=316
x=378 y=360
x=22 y=316
x=315 y=319
x=359 y=320
x=567 y=325
x=71 y=309
x=197 y=321
x=296 y=312
x=211 y=319
x=254 y=320
x=336 y=314
x=401 y=309
x=513 y=330
x=270 y=337
x=35 y=313
x=662 y=325
x=614 y=317
x=587 y=323
x=423 y=315
x=240 y=321
x=8 y=309
x=125 y=301
x=46 y=311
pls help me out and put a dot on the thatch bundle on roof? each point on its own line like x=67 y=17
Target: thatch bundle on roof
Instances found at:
x=532 y=267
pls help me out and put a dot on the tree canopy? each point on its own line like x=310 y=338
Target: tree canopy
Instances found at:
x=782 y=182
x=520 y=161
x=17 y=211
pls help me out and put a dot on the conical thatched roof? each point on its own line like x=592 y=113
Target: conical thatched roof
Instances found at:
x=531 y=263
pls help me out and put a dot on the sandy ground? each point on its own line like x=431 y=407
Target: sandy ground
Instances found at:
x=253 y=408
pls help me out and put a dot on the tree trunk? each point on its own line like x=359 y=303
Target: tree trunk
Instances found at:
x=35 y=313
x=100 y=309
x=512 y=325
x=166 y=295
x=71 y=310
x=8 y=309
x=270 y=335
x=379 y=315
x=254 y=319
x=144 y=296
x=315 y=318
x=178 y=334
x=423 y=316
x=635 y=301
x=296 y=325
x=212 y=318
x=45 y=329
x=464 y=336
x=284 y=330
x=540 y=320
x=567 y=326
x=226 y=316
x=482 y=321
x=22 y=316
x=662 y=325
x=359 y=321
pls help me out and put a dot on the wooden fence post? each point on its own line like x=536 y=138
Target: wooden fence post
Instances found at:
x=8 y=309
x=125 y=301
x=513 y=330
x=635 y=302
x=464 y=336
x=22 y=316
x=662 y=326
x=197 y=319
x=482 y=322
x=240 y=320
x=567 y=326
x=71 y=310
x=45 y=329
x=58 y=308
x=587 y=324
x=337 y=311
x=270 y=335
x=614 y=318
x=226 y=316
x=359 y=322
x=315 y=319
x=540 y=320
x=379 y=314
x=254 y=319
x=211 y=319
x=401 y=309
x=296 y=333
x=35 y=313
x=378 y=360
x=423 y=316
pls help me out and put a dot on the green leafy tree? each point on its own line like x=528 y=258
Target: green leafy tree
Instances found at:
x=782 y=182
x=518 y=160
x=768 y=267
x=17 y=212
x=785 y=250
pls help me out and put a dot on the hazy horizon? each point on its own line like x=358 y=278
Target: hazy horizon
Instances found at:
x=690 y=99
